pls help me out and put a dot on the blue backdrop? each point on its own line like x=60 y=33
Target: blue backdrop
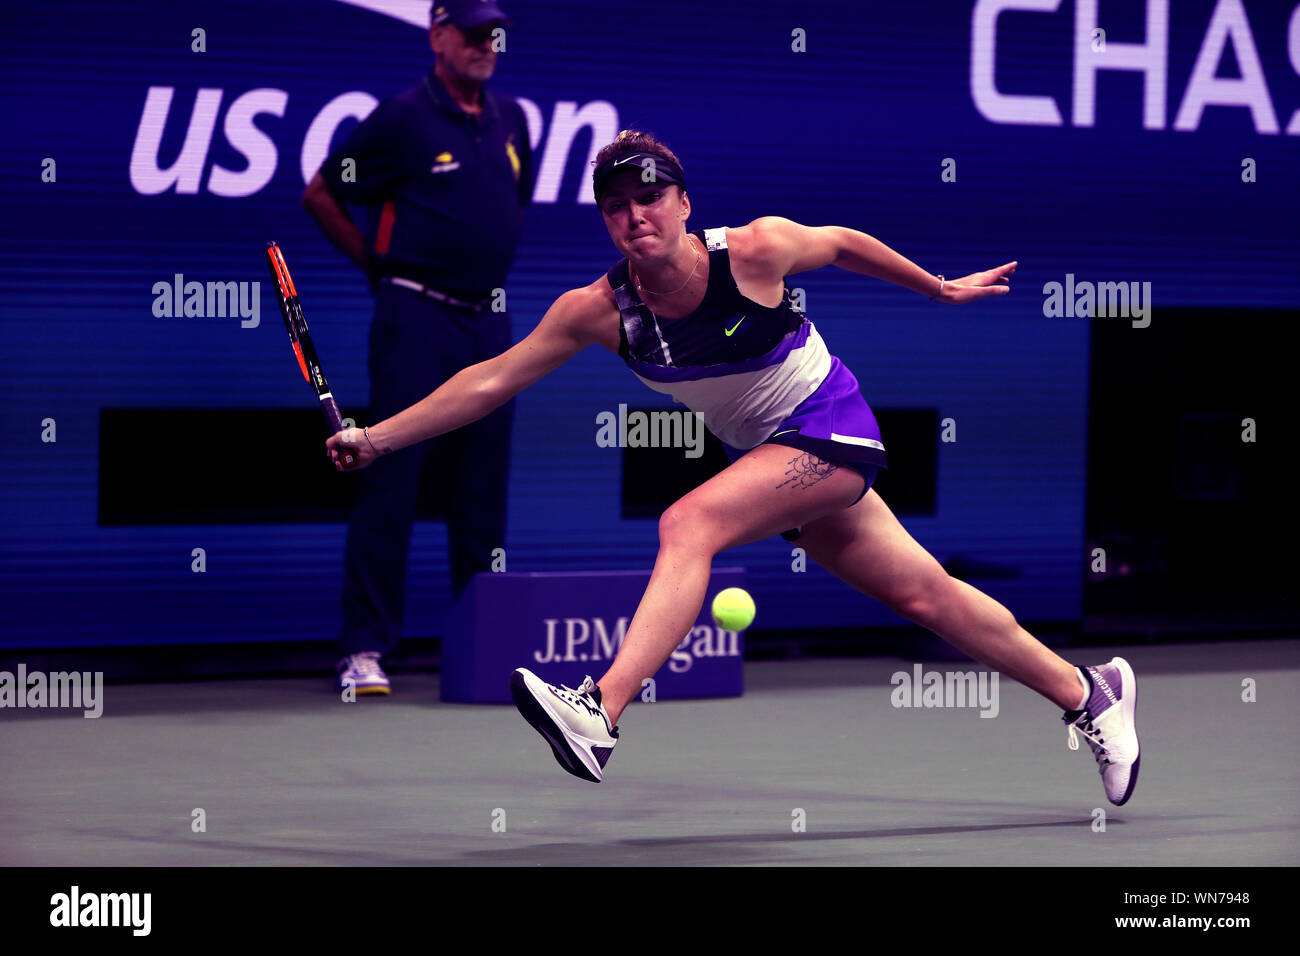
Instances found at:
x=963 y=135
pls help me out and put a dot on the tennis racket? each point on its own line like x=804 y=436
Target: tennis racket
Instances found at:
x=296 y=325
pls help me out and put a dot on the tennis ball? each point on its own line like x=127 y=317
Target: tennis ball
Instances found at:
x=733 y=609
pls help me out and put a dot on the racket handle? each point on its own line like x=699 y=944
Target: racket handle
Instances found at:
x=335 y=421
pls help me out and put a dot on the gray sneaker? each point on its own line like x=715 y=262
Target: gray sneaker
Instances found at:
x=364 y=673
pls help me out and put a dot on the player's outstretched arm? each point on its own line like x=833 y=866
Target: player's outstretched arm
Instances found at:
x=790 y=248
x=473 y=392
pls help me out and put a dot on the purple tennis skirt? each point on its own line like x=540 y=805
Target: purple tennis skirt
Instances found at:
x=835 y=424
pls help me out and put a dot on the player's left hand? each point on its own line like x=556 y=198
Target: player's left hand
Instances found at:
x=978 y=284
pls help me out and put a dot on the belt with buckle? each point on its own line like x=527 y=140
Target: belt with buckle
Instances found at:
x=435 y=294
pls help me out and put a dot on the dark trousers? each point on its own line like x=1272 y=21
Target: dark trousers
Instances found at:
x=416 y=344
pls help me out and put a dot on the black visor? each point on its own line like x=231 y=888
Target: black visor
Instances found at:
x=652 y=167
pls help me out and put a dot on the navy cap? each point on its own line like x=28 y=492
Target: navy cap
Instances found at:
x=466 y=14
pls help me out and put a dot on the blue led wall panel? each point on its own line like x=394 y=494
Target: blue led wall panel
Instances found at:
x=1161 y=150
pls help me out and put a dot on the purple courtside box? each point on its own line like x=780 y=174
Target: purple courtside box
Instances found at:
x=565 y=625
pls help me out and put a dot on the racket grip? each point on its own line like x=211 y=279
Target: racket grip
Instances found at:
x=335 y=422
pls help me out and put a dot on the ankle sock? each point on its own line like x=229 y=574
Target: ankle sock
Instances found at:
x=1086 y=681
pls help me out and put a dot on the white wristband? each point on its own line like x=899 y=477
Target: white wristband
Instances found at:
x=942 y=281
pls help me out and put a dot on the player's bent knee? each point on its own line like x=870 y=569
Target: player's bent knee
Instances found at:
x=682 y=524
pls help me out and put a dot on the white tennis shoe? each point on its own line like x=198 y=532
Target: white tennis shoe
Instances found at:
x=1107 y=723
x=573 y=722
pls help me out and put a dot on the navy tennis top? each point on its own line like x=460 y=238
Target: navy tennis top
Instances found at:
x=745 y=367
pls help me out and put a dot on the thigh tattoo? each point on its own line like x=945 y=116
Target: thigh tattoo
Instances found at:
x=806 y=470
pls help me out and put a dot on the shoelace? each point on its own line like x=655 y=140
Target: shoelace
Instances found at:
x=579 y=697
x=1093 y=736
x=366 y=664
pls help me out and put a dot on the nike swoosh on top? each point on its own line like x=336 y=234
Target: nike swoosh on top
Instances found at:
x=787 y=430
x=734 y=327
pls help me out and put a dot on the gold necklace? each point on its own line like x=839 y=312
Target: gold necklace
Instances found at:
x=642 y=289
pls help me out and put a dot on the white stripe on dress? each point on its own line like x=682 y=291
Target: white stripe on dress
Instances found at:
x=744 y=408
x=850 y=440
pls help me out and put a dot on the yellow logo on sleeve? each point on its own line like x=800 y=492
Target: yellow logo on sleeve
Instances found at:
x=514 y=156
x=442 y=158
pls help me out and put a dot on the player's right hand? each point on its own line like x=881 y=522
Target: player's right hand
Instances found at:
x=353 y=440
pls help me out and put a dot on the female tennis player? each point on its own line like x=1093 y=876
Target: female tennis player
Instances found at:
x=707 y=318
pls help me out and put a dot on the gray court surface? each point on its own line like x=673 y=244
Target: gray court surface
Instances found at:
x=288 y=775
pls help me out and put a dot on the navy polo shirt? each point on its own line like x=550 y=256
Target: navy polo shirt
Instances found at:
x=445 y=190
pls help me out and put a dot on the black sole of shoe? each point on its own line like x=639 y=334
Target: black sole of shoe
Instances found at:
x=1132 y=782
x=541 y=721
